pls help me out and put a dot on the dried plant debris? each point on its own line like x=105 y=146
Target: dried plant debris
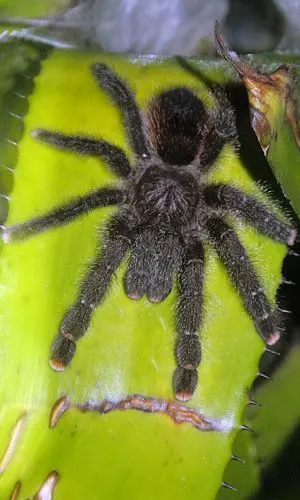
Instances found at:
x=266 y=93
x=180 y=414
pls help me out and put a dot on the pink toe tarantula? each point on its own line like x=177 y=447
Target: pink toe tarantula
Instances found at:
x=167 y=212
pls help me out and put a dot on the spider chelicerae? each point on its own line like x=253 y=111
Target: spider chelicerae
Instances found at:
x=167 y=213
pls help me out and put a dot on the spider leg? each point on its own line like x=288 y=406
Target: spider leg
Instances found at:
x=221 y=130
x=82 y=205
x=124 y=98
x=113 y=155
x=251 y=210
x=155 y=257
x=243 y=276
x=188 y=320
x=92 y=292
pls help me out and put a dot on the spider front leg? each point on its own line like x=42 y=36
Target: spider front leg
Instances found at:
x=92 y=292
x=124 y=99
x=243 y=276
x=82 y=205
x=251 y=210
x=188 y=321
x=114 y=156
x=220 y=130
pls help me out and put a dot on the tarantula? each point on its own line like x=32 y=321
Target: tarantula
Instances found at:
x=167 y=213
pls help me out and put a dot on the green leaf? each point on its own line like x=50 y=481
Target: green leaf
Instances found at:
x=129 y=347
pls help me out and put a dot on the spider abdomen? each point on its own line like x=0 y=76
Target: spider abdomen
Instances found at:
x=174 y=121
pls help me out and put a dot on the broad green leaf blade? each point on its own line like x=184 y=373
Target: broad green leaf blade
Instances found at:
x=129 y=347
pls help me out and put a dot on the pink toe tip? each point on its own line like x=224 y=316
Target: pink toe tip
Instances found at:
x=292 y=237
x=57 y=366
x=134 y=295
x=183 y=396
x=272 y=339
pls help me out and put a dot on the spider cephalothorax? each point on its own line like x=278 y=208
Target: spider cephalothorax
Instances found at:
x=167 y=213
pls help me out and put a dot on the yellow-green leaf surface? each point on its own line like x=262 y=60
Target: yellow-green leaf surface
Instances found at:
x=129 y=347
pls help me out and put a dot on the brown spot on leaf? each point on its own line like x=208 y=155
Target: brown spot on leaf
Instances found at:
x=47 y=489
x=14 y=439
x=180 y=414
x=16 y=491
x=268 y=93
x=61 y=405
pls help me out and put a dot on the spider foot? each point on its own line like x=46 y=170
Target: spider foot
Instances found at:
x=10 y=234
x=41 y=134
x=5 y=234
x=55 y=139
x=269 y=328
x=273 y=338
x=62 y=352
x=133 y=291
x=184 y=383
x=134 y=295
x=134 y=283
x=293 y=237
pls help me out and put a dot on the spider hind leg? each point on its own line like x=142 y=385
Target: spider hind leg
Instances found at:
x=188 y=322
x=243 y=276
x=92 y=292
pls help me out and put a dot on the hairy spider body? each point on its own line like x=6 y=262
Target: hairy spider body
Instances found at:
x=168 y=213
